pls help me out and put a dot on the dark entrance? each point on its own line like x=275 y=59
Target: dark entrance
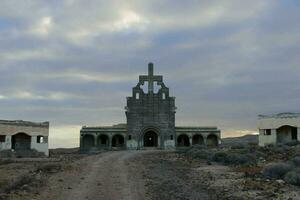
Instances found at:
x=117 y=141
x=212 y=140
x=294 y=133
x=21 y=141
x=198 y=139
x=150 y=139
x=183 y=141
x=88 y=142
x=103 y=141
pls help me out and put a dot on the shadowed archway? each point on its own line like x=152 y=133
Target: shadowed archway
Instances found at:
x=150 y=139
x=103 y=141
x=118 y=141
x=183 y=141
x=21 y=141
x=198 y=139
x=212 y=140
x=88 y=142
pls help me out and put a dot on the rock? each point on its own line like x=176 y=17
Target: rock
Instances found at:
x=280 y=181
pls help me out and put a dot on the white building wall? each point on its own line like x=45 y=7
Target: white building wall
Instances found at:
x=275 y=122
x=10 y=129
x=267 y=139
x=7 y=144
x=40 y=147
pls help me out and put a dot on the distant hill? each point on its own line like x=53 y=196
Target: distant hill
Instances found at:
x=246 y=139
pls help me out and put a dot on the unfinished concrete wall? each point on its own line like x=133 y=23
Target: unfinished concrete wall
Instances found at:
x=16 y=131
x=274 y=129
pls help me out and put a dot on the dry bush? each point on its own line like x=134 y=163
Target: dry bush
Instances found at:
x=49 y=168
x=277 y=170
x=293 y=177
x=236 y=159
x=30 y=153
x=296 y=161
x=24 y=182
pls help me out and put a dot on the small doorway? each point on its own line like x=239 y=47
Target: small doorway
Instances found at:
x=150 y=139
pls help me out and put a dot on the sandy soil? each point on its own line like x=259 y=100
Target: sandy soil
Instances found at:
x=105 y=176
x=135 y=175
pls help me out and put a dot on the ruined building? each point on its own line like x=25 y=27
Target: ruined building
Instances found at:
x=278 y=128
x=23 y=135
x=150 y=114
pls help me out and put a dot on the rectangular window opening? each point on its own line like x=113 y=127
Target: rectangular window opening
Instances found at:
x=137 y=95
x=164 y=96
x=129 y=137
x=40 y=139
x=267 y=131
x=2 y=138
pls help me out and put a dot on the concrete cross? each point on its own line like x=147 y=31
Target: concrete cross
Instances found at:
x=151 y=78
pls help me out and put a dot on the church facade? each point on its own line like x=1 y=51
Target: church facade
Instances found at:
x=150 y=114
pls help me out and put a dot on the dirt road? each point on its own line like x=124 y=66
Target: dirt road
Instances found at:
x=125 y=175
x=105 y=176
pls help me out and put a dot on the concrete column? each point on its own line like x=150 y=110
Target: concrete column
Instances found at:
x=204 y=140
x=96 y=141
x=110 y=141
x=274 y=135
x=191 y=140
x=298 y=133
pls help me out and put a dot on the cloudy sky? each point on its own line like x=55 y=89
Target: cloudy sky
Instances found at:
x=74 y=62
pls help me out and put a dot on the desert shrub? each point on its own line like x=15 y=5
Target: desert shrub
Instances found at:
x=240 y=159
x=292 y=143
x=230 y=158
x=6 y=154
x=20 y=182
x=219 y=156
x=293 y=177
x=198 y=153
x=296 y=161
x=30 y=153
x=49 y=168
x=5 y=161
x=277 y=170
x=238 y=146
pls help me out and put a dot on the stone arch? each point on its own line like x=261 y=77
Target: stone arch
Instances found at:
x=212 y=140
x=88 y=142
x=150 y=138
x=183 y=140
x=103 y=140
x=118 y=140
x=21 y=141
x=198 y=139
x=286 y=133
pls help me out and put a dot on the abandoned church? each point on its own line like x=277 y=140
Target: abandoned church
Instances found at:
x=150 y=122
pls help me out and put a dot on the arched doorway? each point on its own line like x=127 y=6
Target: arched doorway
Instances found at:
x=183 y=141
x=150 y=139
x=103 y=141
x=286 y=134
x=212 y=140
x=117 y=141
x=21 y=141
x=198 y=139
x=88 y=141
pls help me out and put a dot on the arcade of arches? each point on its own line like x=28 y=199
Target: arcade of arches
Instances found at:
x=102 y=141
